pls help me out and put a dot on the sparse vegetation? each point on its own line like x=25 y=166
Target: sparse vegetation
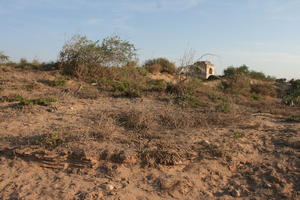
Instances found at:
x=28 y=87
x=57 y=82
x=256 y=96
x=237 y=134
x=153 y=158
x=50 y=140
x=218 y=128
x=134 y=120
x=160 y=65
x=189 y=101
x=293 y=118
x=237 y=85
x=176 y=119
x=224 y=107
x=38 y=101
x=263 y=89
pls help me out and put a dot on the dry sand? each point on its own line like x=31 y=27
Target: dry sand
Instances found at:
x=255 y=158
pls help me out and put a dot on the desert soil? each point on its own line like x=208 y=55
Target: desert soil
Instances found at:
x=81 y=147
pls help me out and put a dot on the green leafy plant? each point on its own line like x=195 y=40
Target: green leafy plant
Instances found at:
x=82 y=57
x=256 y=96
x=237 y=135
x=292 y=96
x=293 y=118
x=244 y=70
x=39 y=101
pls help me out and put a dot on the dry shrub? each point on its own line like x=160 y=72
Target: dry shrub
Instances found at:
x=165 y=65
x=117 y=156
x=208 y=150
x=77 y=154
x=153 y=158
x=87 y=92
x=185 y=87
x=50 y=140
x=224 y=107
x=263 y=89
x=154 y=69
x=221 y=119
x=239 y=85
x=128 y=81
x=103 y=126
x=135 y=120
x=174 y=119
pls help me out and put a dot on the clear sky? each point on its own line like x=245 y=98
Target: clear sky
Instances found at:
x=264 y=34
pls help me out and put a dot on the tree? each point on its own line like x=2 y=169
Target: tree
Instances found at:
x=117 y=52
x=81 y=56
x=233 y=71
x=3 y=58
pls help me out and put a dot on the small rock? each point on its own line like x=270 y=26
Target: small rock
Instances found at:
x=268 y=185
x=235 y=193
x=108 y=187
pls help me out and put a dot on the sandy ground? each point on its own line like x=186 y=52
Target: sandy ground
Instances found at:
x=256 y=157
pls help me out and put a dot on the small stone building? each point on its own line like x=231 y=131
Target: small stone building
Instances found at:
x=205 y=69
x=200 y=69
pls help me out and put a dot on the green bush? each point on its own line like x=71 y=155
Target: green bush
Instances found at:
x=234 y=71
x=238 y=84
x=164 y=64
x=128 y=89
x=263 y=89
x=83 y=57
x=244 y=70
x=292 y=96
x=257 y=75
x=39 y=101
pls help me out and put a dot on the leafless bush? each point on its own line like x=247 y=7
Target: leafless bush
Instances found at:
x=175 y=119
x=135 y=120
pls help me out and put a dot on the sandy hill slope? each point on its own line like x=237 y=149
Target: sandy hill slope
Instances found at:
x=70 y=140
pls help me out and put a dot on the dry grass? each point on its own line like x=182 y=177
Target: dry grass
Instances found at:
x=175 y=119
x=153 y=158
x=135 y=120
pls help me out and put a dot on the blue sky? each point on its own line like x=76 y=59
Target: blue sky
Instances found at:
x=264 y=34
